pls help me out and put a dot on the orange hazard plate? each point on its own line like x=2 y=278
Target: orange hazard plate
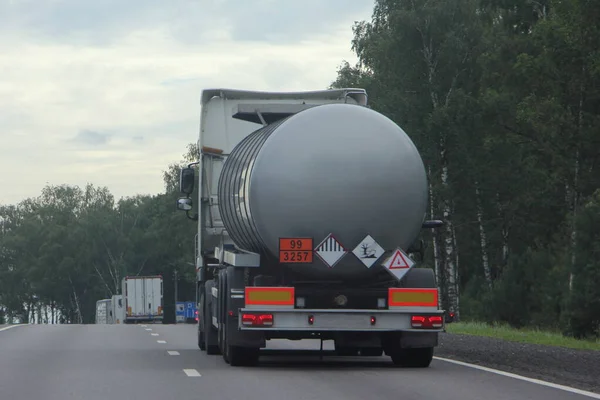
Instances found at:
x=295 y=250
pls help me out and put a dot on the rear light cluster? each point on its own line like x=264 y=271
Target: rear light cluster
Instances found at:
x=426 y=321
x=257 y=319
x=196 y=313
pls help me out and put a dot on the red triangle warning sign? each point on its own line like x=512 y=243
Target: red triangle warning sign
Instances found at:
x=398 y=261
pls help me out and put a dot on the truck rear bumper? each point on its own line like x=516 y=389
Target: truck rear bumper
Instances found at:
x=338 y=320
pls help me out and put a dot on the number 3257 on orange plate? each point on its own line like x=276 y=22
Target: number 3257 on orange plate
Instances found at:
x=295 y=250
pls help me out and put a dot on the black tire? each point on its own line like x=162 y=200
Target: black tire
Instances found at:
x=201 y=342
x=225 y=354
x=222 y=287
x=201 y=339
x=213 y=350
x=413 y=358
x=225 y=351
x=420 y=278
x=210 y=333
x=242 y=356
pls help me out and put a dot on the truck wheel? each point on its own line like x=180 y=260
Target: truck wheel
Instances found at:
x=237 y=356
x=201 y=341
x=223 y=340
x=413 y=358
x=242 y=356
x=210 y=333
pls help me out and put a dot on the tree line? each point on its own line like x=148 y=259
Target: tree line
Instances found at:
x=502 y=99
x=69 y=247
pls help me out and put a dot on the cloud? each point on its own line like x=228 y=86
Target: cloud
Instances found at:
x=78 y=22
x=296 y=21
x=124 y=79
x=92 y=138
x=107 y=21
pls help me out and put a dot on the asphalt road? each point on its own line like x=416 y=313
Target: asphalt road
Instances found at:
x=128 y=361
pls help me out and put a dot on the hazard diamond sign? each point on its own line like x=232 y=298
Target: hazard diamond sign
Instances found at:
x=398 y=263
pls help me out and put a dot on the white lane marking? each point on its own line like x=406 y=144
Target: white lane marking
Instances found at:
x=161 y=341
x=148 y=329
x=191 y=372
x=10 y=327
x=144 y=326
x=523 y=378
x=154 y=334
x=173 y=353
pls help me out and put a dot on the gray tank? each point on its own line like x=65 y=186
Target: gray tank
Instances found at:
x=337 y=168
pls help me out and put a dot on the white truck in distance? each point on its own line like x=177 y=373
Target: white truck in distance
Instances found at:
x=143 y=297
x=118 y=312
x=308 y=206
x=103 y=311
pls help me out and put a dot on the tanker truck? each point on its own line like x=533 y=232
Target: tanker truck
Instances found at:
x=309 y=210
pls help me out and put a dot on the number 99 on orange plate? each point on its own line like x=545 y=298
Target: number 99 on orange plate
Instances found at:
x=295 y=250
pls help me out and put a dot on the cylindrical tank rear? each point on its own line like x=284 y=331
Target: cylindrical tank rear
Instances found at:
x=337 y=168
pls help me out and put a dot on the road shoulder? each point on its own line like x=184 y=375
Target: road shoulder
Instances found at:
x=570 y=367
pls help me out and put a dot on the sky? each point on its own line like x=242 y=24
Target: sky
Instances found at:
x=107 y=91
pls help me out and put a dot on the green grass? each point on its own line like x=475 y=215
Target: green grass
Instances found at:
x=532 y=336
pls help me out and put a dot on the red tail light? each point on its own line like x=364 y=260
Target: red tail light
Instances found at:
x=426 y=321
x=196 y=312
x=257 y=319
x=373 y=320
x=436 y=321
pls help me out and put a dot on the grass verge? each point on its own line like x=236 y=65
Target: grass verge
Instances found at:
x=532 y=336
